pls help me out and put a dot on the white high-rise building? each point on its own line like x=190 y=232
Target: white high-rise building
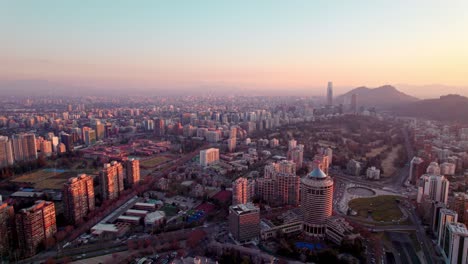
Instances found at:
x=209 y=156
x=455 y=243
x=435 y=187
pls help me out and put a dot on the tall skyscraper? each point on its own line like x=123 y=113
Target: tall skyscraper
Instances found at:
x=35 y=225
x=132 y=167
x=6 y=220
x=243 y=190
x=209 y=156
x=6 y=152
x=112 y=180
x=316 y=201
x=78 y=198
x=244 y=222
x=24 y=147
x=330 y=94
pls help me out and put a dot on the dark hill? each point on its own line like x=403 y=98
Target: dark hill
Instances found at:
x=449 y=108
x=385 y=96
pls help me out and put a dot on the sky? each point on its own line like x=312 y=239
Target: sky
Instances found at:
x=250 y=45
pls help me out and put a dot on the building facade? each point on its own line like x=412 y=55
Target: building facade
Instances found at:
x=78 y=198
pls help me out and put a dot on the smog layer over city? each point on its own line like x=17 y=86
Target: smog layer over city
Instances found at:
x=234 y=132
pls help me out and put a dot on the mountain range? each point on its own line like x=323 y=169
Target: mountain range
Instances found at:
x=382 y=97
x=450 y=107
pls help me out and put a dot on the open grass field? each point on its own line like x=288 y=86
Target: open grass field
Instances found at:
x=153 y=162
x=375 y=151
x=47 y=178
x=387 y=163
x=383 y=208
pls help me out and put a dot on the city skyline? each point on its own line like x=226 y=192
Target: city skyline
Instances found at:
x=256 y=47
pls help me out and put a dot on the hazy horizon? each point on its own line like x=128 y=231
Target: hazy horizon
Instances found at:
x=258 y=47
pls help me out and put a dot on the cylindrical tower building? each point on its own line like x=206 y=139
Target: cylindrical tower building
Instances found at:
x=316 y=201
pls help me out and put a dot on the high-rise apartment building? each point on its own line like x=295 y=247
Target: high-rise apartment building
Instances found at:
x=244 y=222
x=316 y=201
x=243 y=190
x=24 y=147
x=100 y=131
x=231 y=144
x=288 y=188
x=297 y=155
x=6 y=220
x=209 y=156
x=6 y=152
x=78 y=198
x=459 y=204
x=35 y=226
x=455 y=244
x=445 y=216
x=292 y=144
x=435 y=187
x=159 y=127
x=330 y=94
x=112 y=180
x=416 y=169
x=132 y=167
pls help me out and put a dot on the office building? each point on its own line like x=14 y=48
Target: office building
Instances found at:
x=243 y=190
x=244 y=222
x=209 y=156
x=6 y=152
x=35 y=226
x=330 y=94
x=112 y=180
x=316 y=201
x=78 y=198
x=132 y=167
